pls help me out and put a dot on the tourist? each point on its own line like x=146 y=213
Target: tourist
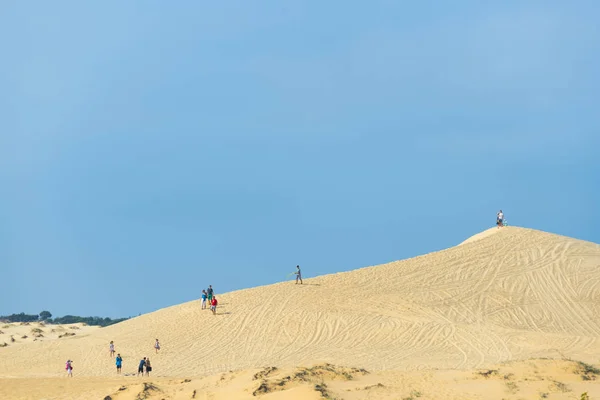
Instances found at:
x=213 y=305
x=500 y=219
x=148 y=366
x=119 y=363
x=210 y=293
x=69 y=368
x=141 y=366
x=204 y=296
x=298 y=275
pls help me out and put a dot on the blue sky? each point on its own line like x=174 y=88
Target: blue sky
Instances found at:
x=149 y=150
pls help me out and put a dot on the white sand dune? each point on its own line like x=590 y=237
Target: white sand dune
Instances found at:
x=505 y=294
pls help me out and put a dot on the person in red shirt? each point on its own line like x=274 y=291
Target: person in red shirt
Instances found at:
x=213 y=305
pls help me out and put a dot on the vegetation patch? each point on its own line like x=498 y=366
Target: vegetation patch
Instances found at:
x=3 y=344
x=46 y=317
x=66 y=334
x=264 y=373
x=322 y=388
x=557 y=386
x=415 y=394
x=379 y=385
x=148 y=390
x=512 y=387
x=487 y=373
x=315 y=375
x=586 y=371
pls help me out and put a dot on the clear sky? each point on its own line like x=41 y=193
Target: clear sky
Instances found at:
x=148 y=149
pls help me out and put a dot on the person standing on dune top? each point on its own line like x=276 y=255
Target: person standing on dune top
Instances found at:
x=204 y=297
x=500 y=219
x=298 y=275
x=210 y=292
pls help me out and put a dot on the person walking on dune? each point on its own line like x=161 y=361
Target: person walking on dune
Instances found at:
x=156 y=346
x=148 y=367
x=213 y=305
x=111 y=349
x=500 y=219
x=119 y=362
x=204 y=297
x=298 y=275
x=141 y=366
x=69 y=368
x=210 y=292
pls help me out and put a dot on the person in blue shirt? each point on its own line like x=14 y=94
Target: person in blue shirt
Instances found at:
x=141 y=367
x=119 y=363
x=204 y=296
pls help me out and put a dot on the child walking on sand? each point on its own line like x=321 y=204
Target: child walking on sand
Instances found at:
x=204 y=296
x=298 y=275
x=69 y=368
x=111 y=349
x=213 y=305
x=157 y=346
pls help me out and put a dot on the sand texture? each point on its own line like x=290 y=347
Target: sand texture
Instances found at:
x=505 y=295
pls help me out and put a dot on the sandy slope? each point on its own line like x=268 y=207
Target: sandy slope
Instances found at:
x=532 y=379
x=17 y=334
x=508 y=294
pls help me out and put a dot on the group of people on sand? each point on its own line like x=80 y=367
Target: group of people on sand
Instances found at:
x=144 y=367
x=208 y=295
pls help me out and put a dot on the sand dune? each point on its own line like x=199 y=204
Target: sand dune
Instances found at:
x=17 y=334
x=503 y=295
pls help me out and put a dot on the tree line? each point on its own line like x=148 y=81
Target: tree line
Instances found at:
x=46 y=316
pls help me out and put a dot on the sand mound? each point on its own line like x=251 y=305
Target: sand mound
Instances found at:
x=530 y=379
x=513 y=295
x=18 y=334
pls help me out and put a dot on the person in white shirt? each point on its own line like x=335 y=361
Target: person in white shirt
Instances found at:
x=500 y=219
